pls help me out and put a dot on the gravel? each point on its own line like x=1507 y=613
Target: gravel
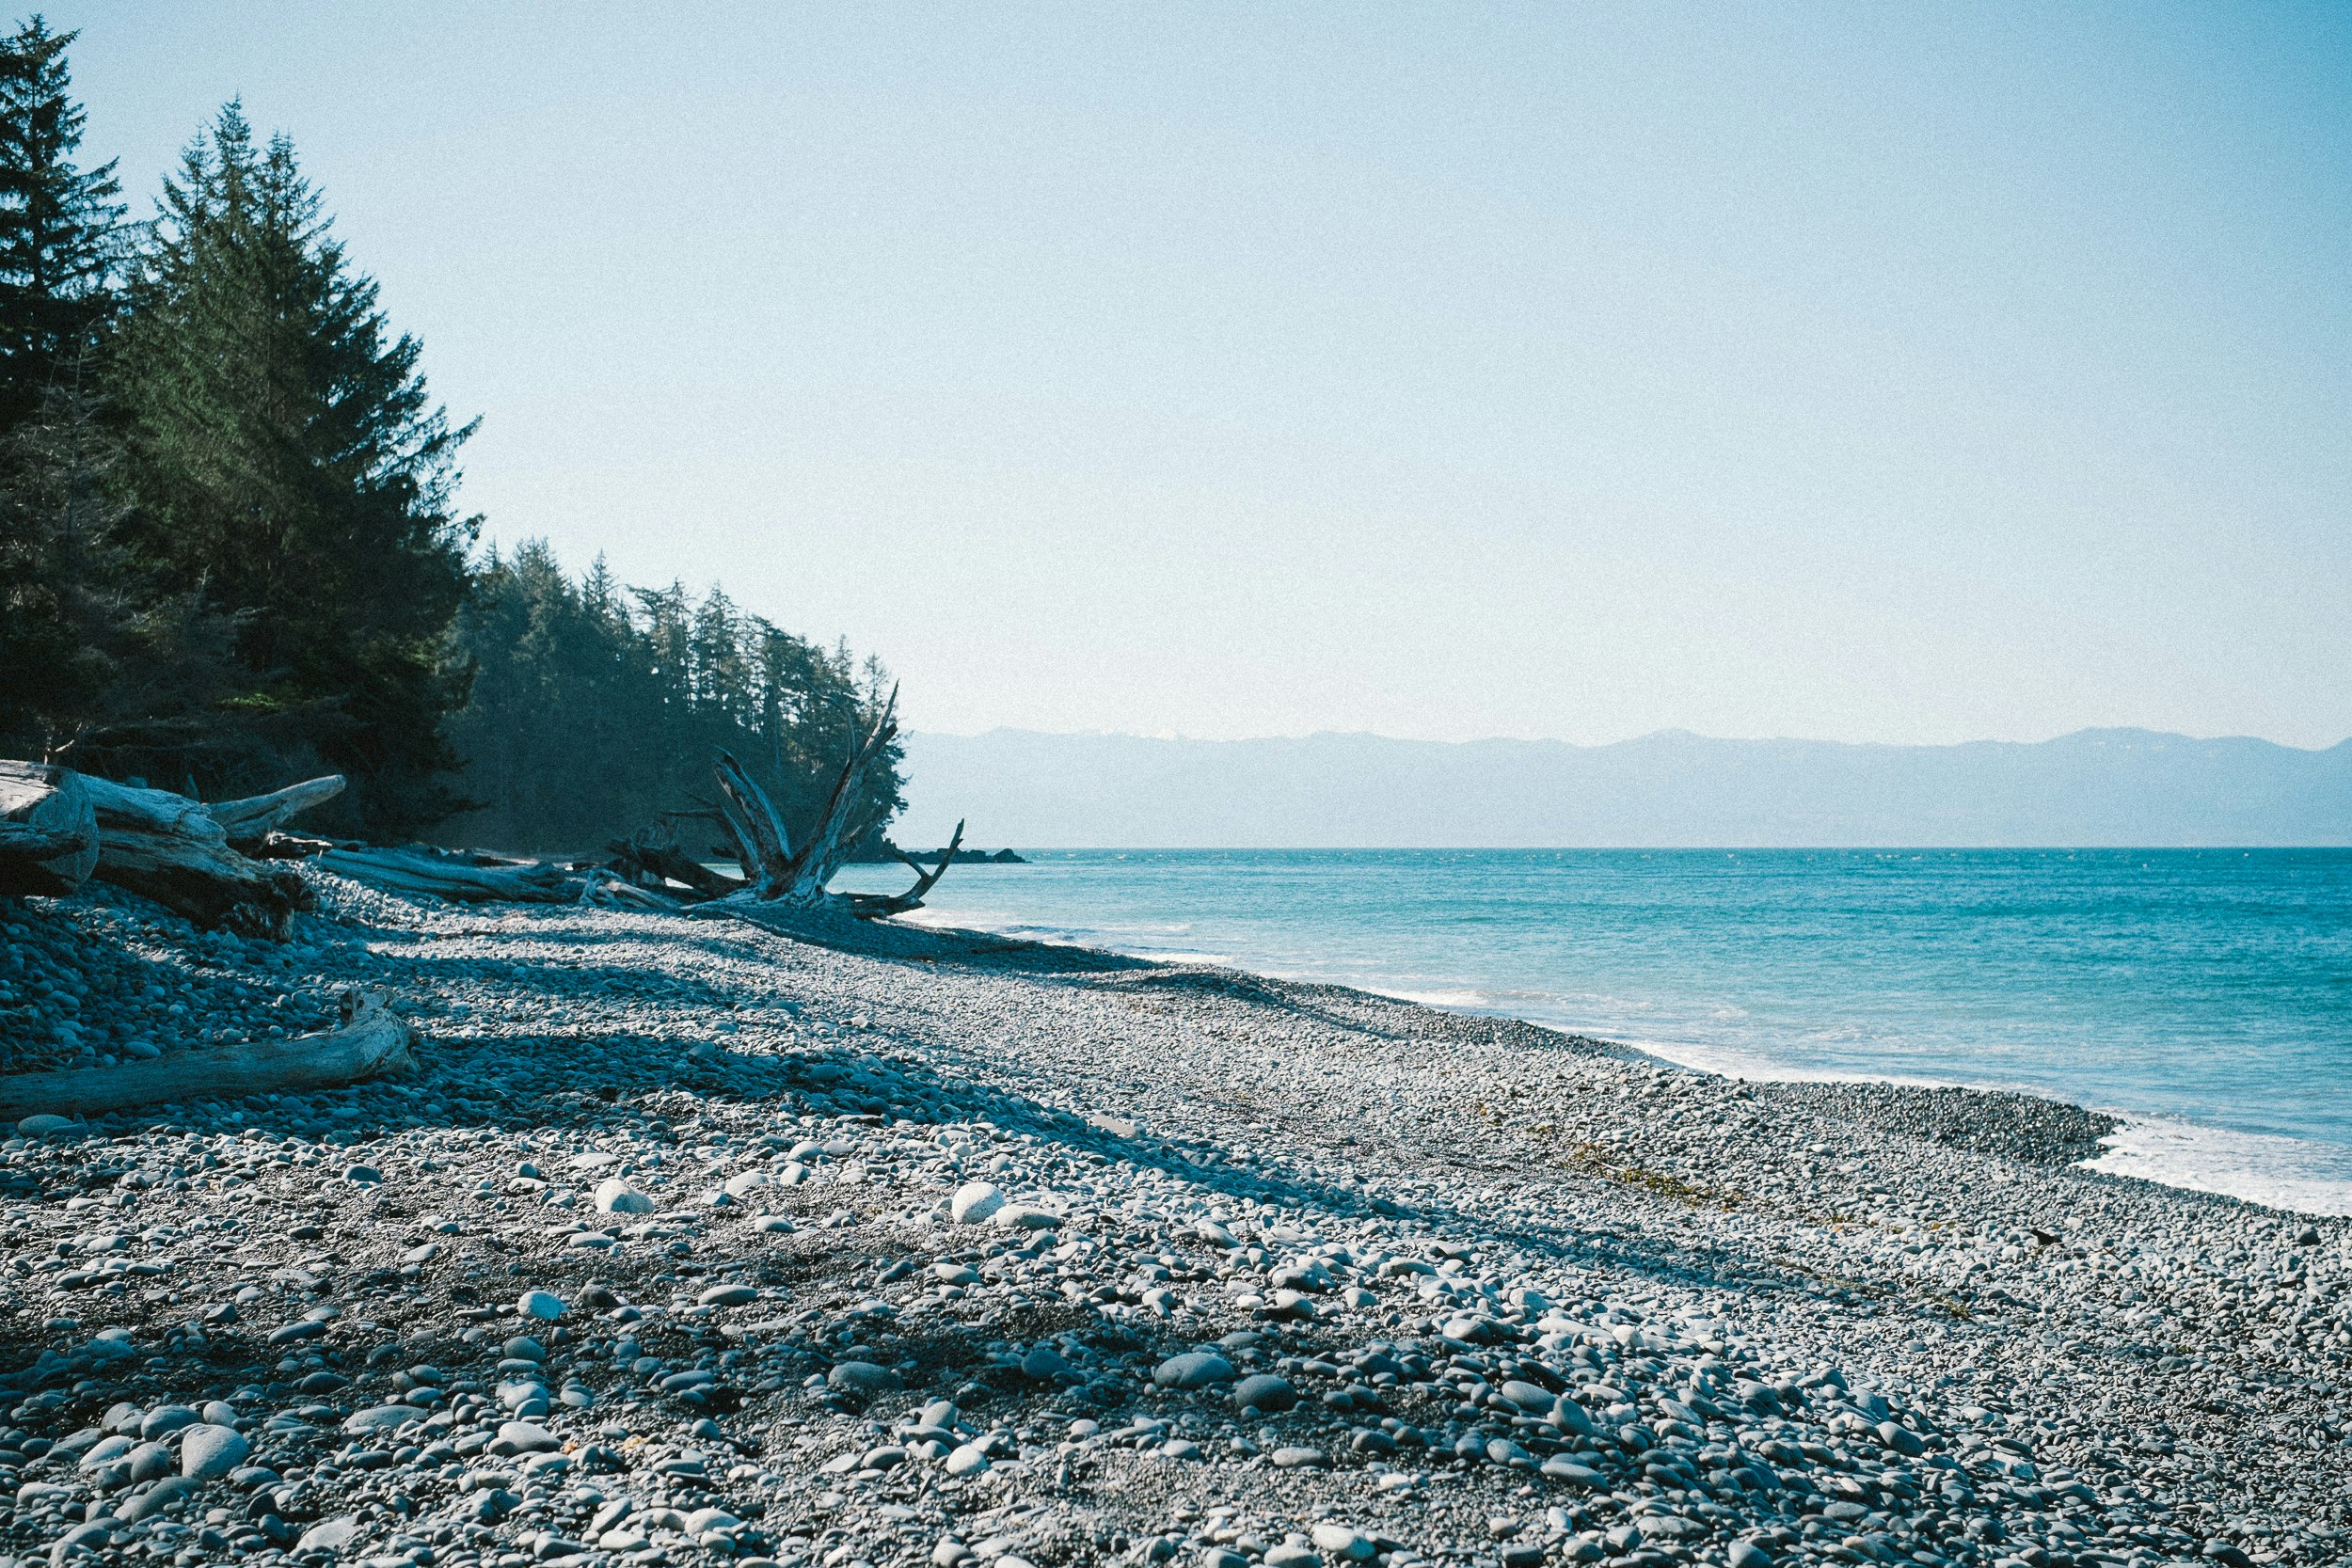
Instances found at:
x=694 y=1241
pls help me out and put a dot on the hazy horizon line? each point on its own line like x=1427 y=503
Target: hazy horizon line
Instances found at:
x=1669 y=732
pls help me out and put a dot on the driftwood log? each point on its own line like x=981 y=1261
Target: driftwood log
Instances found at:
x=369 y=1043
x=651 y=854
x=775 y=873
x=614 y=890
x=457 y=876
x=48 y=830
x=172 y=850
x=252 y=822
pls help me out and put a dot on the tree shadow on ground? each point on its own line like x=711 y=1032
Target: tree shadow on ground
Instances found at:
x=926 y=944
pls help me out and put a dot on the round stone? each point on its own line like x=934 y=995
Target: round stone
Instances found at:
x=526 y=1438
x=1044 y=1363
x=974 y=1201
x=329 y=1535
x=1300 y=1459
x=543 y=1304
x=208 y=1453
x=1197 y=1368
x=863 y=1377
x=1344 y=1541
x=1561 y=1467
x=105 y=1452
x=729 y=1295
x=1532 y=1398
x=1902 y=1439
x=1571 y=1417
x=967 y=1460
x=1264 y=1391
x=382 y=1417
x=616 y=1197
x=157 y=1498
x=42 y=1126
x=1502 y=1451
x=166 y=1419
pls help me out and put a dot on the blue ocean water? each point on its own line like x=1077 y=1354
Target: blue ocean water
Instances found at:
x=2204 y=994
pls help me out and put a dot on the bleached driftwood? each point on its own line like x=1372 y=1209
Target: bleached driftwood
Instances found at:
x=614 y=891
x=48 y=830
x=369 y=1043
x=775 y=872
x=170 y=849
x=455 y=876
x=251 y=821
x=881 y=905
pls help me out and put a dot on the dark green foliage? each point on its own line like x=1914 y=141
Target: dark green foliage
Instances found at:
x=281 y=452
x=60 y=227
x=103 y=656
x=593 y=716
x=110 y=668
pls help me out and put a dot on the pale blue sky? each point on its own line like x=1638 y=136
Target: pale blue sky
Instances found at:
x=1871 y=372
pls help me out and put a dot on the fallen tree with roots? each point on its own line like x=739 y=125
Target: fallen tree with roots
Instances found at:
x=775 y=875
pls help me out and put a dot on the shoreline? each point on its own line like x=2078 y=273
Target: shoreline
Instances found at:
x=1538 y=1299
x=2166 y=1148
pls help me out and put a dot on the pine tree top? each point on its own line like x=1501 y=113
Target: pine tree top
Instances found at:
x=60 y=225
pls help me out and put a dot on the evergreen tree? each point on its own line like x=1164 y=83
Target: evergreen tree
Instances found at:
x=590 y=719
x=58 y=226
x=107 y=662
x=281 y=450
x=109 y=668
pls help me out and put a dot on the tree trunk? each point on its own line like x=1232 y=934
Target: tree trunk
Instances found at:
x=252 y=821
x=48 y=830
x=370 y=1041
x=756 y=826
x=655 y=857
x=455 y=877
x=169 y=849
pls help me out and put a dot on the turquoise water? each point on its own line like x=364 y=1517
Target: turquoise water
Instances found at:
x=2206 y=994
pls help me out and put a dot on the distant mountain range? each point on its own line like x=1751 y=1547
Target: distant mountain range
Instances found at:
x=1674 y=788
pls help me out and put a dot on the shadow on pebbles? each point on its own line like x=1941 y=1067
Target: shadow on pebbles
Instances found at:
x=696 y=1242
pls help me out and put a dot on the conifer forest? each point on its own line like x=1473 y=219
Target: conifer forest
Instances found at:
x=231 y=551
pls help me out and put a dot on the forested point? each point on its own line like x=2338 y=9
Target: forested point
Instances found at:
x=597 y=708
x=230 y=554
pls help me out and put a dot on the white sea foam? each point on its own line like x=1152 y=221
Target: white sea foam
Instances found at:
x=2281 y=1172
x=1756 y=1068
x=1471 y=999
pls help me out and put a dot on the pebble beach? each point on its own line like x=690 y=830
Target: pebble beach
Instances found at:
x=717 y=1242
